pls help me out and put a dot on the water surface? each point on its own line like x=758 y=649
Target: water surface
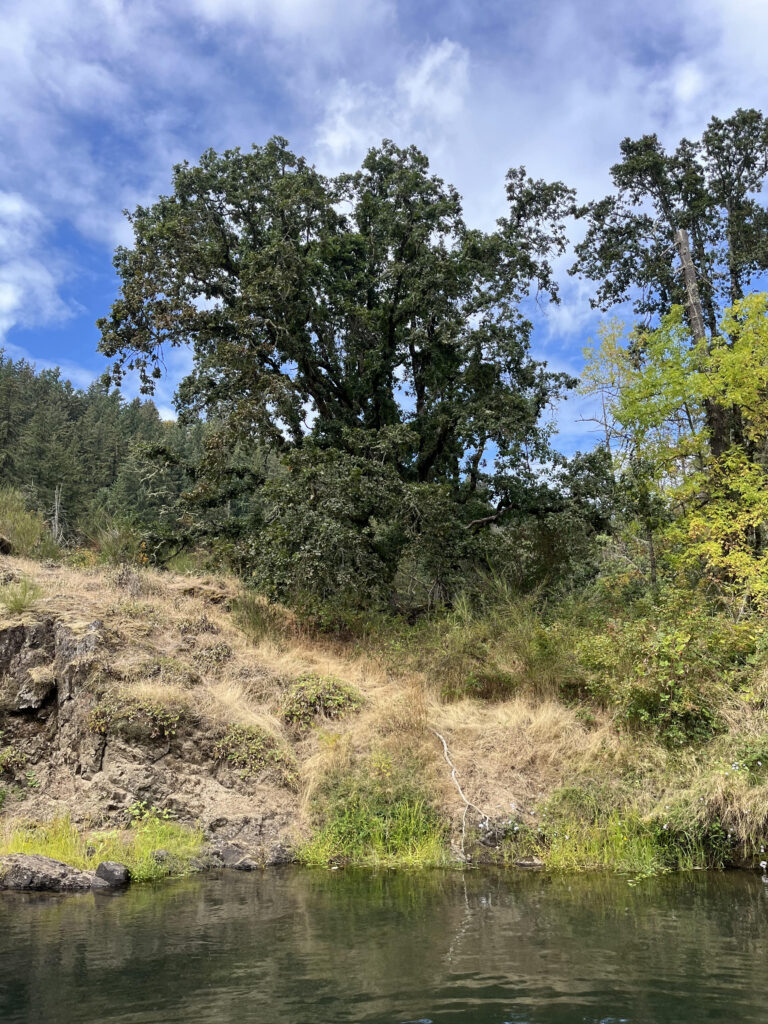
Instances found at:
x=319 y=947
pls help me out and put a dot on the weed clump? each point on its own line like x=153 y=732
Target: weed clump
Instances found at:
x=314 y=696
x=213 y=656
x=256 y=755
x=18 y=598
x=11 y=760
x=136 y=717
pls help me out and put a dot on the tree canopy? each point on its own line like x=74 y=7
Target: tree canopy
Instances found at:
x=357 y=315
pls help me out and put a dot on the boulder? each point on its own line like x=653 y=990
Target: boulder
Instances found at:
x=236 y=858
x=113 y=873
x=22 y=872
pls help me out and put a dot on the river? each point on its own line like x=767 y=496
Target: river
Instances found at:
x=319 y=947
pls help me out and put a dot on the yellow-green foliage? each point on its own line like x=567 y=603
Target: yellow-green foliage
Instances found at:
x=18 y=598
x=27 y=531
x=669 y=670
x=315 y=695
x=134 y=846
x=255 y=754
x=656 y=392
x=375 y=813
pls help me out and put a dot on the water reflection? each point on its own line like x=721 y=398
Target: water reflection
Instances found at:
x=307 y=947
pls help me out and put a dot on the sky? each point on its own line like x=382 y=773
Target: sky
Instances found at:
x=100 y=98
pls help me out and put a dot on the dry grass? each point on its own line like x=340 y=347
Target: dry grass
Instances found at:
x=512 y=753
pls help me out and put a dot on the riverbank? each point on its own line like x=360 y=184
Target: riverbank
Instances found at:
x=134 y=700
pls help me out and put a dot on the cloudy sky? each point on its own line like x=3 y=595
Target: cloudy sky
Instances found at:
x=101 y=97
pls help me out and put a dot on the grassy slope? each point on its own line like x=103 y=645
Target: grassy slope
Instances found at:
x=551 y=778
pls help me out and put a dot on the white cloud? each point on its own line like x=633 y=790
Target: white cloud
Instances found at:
x=29 y=282
x=101 y=97
x=292 y=18
x=423 y=104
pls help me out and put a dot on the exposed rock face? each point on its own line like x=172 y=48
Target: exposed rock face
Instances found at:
x=52 y=674
x=22 y=872
x=26 y=657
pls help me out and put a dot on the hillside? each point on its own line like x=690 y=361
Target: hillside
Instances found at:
x=132 y=693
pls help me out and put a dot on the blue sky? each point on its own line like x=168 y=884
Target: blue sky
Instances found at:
x=101 y=97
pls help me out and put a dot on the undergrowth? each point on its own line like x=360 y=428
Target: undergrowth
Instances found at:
x=26 y=530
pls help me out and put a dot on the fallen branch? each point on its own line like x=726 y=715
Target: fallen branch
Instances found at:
x=467 y=803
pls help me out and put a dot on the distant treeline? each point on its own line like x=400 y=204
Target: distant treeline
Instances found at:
x=76 y=453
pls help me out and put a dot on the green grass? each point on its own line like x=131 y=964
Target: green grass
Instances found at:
x=18 y=598
x=407 y=834
x=374 y=813
x=579 y=829
x=133 y=846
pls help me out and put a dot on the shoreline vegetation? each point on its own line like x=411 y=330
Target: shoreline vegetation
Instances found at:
x=348 y=729
x=353 y=606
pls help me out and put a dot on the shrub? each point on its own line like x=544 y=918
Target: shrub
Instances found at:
x=668 y=673
x=117 y=541
x=315 y=695
x=255 y=754
x=27 y=531
x=18 y=598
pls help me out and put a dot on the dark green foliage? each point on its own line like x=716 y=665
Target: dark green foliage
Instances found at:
x=315 y=696
x=368 y=343
x=255 y=754
x=711 y=187
x=81 y=444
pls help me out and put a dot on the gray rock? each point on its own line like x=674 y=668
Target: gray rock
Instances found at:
x=113 y=873
x=23 y=872
x=530 y=862
x=236 y=858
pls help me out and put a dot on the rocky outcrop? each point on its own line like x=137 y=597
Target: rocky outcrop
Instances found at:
x=22 y=872
x=56 y=677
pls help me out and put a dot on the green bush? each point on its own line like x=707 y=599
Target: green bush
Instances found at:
x=27 y=531
x=315 y=696
x=670 y=671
